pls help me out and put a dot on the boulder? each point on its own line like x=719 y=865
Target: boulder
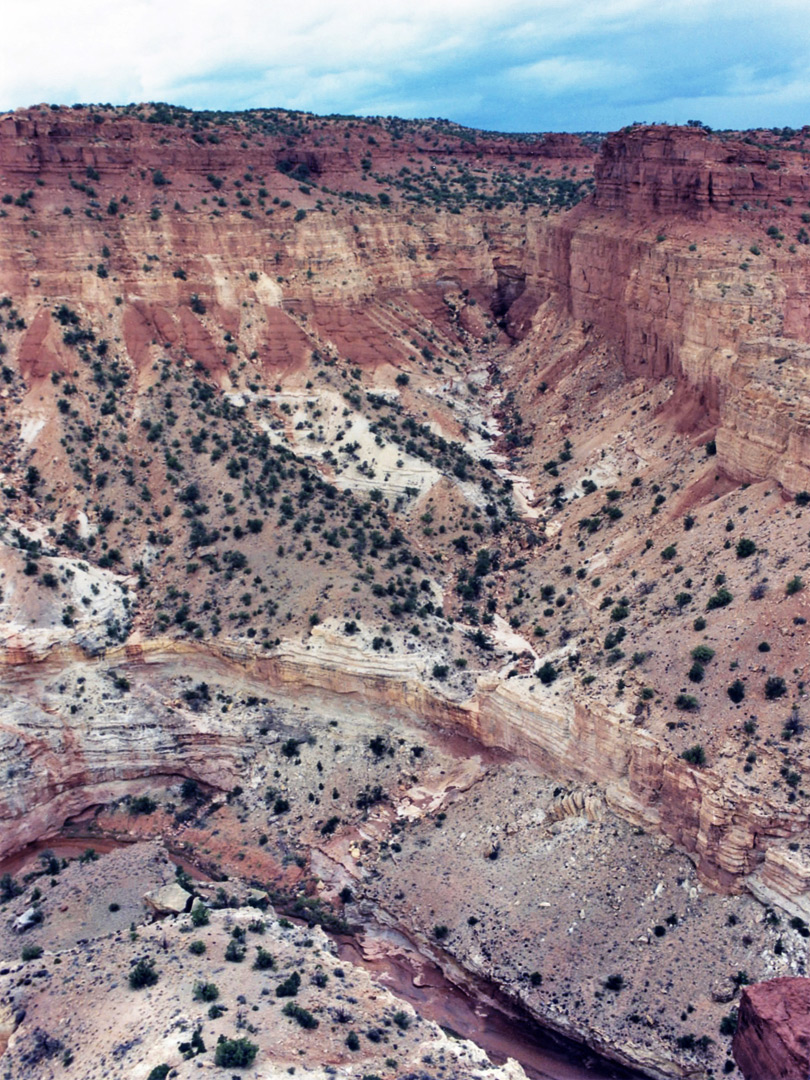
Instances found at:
x=171 y=899
x=30 y=917
x=773 y=1032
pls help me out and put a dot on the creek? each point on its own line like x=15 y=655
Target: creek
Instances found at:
x=478 y=1012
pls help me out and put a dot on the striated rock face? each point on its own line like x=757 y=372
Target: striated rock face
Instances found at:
x=58 y=759
x=773 y=1032
x=651 y=289
x=669 y=171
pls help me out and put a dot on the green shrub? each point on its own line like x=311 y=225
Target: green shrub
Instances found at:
x=728 y=1025
x=614 y=983
x=775 y=687
x=802 y=498
x=794 y=585
x=669 y=553
x=699 y=623
x=143 y=974
x=702 y=653
x=686 y=703
x=745 y=547
x=695 y=755
x=200 y=916
x=290 y=986
x=352 y=1041
x=142 y=804
x=302 y=1016
x=736 y=691
x=235 y=952
x=206 y=991
x=197 y=948
x=722 y=598
x=160 y=1072
x=8 y=888
x=264 y=961
x=31 y=952
x=696 y=672
x=547 y=673
x=440 y=932
x=235 y=1053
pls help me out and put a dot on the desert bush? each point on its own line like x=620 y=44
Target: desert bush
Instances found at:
x=142 y=974
x=736 y=691
x=702 y=653
x=302 y=1016
x=142 y=804
x=695 y=755
x=235 y=1053
x=722 y=598
x=206 y=991
x=200 y=916
x=775 y=687
x=264 y=961
x=547 y=673
x=686 y=703
x=234 y=951
x=290 y=986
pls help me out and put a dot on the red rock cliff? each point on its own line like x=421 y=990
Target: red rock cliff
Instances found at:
x=773 y=1034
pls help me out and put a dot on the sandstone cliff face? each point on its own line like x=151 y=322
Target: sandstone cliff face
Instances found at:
x=60 y=761
x=652 y=171
x=73 y=745
x=647 y=276
x=773 y=1034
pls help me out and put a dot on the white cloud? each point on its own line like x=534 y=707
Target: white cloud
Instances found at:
x=468 y=59
x=563 y=74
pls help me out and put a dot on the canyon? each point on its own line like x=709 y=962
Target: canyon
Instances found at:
x=493 y=444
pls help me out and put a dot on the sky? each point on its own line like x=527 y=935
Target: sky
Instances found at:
x=549 y=65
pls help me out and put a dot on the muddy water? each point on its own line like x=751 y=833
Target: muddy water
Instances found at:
x=495 y=1026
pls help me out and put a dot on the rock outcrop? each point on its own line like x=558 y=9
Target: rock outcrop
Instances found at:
x=773 y=1032
x=170 y=899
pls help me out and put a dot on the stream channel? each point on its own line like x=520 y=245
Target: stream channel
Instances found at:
x=498 y=1026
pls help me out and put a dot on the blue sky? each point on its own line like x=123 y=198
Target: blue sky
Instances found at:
x=551 y=65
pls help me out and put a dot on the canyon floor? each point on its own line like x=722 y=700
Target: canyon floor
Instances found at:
x=428 y=847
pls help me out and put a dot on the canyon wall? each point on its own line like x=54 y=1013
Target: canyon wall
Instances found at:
x=58 y=768
x=650 y=269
